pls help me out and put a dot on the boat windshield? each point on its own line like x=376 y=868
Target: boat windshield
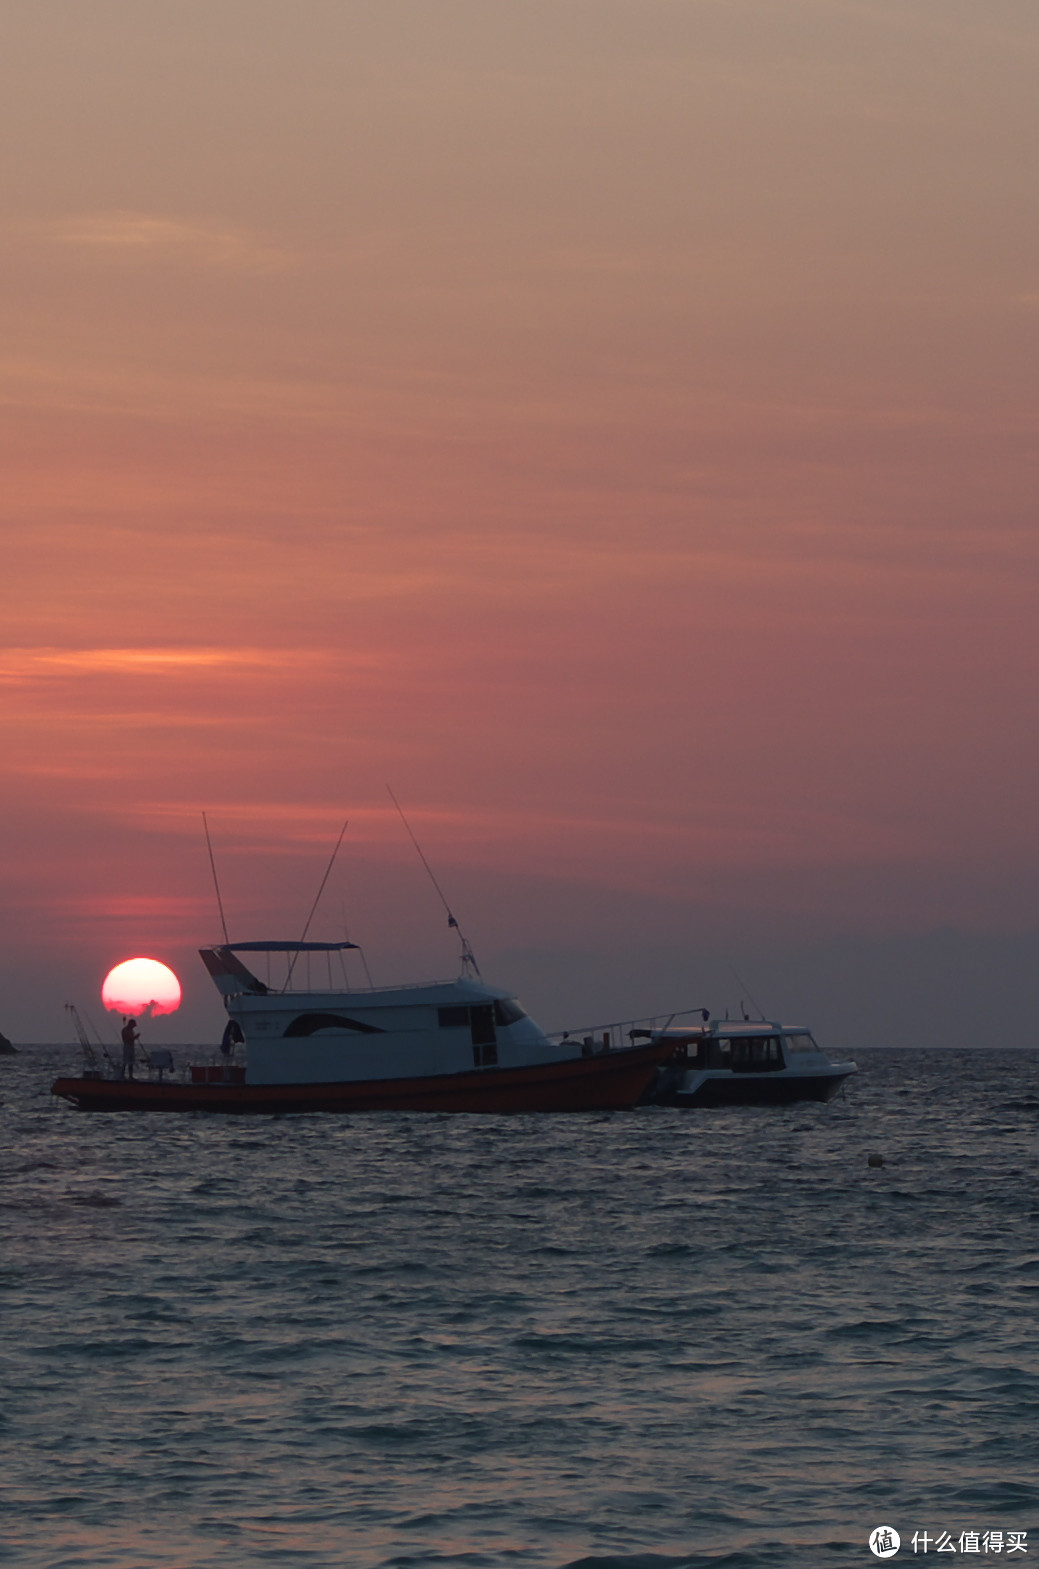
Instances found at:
x=508 y=1011
x=800 y=1042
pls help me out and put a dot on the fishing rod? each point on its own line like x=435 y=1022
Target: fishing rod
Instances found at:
x=317 y=900
x=216 y=884
x=468 y=957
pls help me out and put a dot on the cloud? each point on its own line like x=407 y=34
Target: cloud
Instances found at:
x=711 y=835
x=19 y=664
x=115 y=907
x=128 y=234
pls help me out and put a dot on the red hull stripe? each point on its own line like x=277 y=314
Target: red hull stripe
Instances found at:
x=608 y=1082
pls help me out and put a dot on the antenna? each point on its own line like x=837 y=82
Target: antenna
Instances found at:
x=750 y=994
x=468 y=957
x=317 y=899
x=216 y=884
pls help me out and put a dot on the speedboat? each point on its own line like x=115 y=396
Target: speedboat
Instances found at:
x=458 y=1045
x=730 y=1062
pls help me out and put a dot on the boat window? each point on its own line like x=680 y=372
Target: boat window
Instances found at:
x=800 y=1042
x=508 y=1011
x=756 y=1054
x=485 y=1056
x=481 y=1019
x=453 y=1018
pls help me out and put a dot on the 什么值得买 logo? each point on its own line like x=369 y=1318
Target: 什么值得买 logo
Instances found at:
x=884 y=1541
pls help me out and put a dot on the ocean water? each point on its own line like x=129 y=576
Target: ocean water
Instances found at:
x=646 y=1340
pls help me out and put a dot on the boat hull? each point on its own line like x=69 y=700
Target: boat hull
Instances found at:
x=611 y=1081
x=771 y=1089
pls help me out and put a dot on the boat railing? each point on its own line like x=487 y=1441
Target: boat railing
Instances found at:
x=621 y=1034
x=160 y=1066
x=319 y=989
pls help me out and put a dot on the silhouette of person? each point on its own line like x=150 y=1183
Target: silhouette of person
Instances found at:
x=232 y=1037
x=130 y=1038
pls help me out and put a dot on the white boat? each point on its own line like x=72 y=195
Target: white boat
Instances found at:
x=730 y=1062
x=456 y=1045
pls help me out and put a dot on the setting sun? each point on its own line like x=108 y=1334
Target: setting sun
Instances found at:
x=139 y=986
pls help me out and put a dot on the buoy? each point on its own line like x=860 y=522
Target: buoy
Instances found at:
x=875 y=1160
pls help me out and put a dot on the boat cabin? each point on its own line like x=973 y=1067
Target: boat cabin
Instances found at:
x=298 y=1028
x=765 y=1050
x=734 y=1062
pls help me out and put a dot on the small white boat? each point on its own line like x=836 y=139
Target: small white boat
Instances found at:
x=743 y=1062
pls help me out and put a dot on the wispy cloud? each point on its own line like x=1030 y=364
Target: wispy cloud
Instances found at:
x=22 y=663
x=124 y=233
x=137 y=906
x=709 y=834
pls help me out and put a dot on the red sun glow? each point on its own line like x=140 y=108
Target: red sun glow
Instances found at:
x=141 y=986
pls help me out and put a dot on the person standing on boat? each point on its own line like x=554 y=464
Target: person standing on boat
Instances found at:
x=130 y=1038
x=232 y=1037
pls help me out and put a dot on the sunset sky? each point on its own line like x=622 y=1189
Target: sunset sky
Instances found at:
x=612 y=423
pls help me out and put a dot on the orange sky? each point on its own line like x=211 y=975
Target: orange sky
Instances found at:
x=612 y=423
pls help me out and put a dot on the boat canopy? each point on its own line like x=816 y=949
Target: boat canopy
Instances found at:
x=231 y=976
x=286 y=947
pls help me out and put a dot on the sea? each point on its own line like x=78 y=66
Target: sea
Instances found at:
x=656 y=1339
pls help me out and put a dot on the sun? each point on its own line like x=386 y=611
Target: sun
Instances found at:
x=141 y=986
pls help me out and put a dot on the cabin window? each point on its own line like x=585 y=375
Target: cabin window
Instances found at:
x=453 y=1018
x=747 y=1054
x=756 y=1054
x=800 y=1043
x=486 y=1055
x=481 y=1020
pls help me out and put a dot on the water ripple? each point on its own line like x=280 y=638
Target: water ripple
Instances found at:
x=653 y=1341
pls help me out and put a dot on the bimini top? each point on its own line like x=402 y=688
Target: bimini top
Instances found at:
x=230 y=974
x=285 y=947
